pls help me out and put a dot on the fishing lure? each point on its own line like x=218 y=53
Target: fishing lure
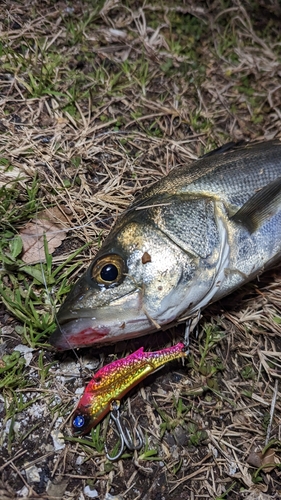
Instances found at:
x=113 y=381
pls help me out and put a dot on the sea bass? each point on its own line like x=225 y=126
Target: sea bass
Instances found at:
x=190 y=239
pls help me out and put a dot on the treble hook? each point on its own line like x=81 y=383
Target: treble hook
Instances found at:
x=124 y=433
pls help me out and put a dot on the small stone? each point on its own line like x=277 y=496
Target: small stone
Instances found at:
x=174 y=452
x=8 y=425
x=16 y=428
x=28 y=358
x=92 y=365
x=23 y=492
x=79 y=460
x=59 y=421
x=36 y=411
x=69 y=11
x=232 y=468
x=7 y=330
x=58 y=440
x=90 y=362
x=254 y=459
x=113 y=497
x=70 y=368
x=170 y=440
x=56 y=489
x=161 y=391
x=23 y=348
x=32 y=474
x=180 y=435
x=49 y=447
x=90 y=493
x=26 y=351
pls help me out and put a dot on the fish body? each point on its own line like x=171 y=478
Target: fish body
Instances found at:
x=113 y=381
x=190 y=239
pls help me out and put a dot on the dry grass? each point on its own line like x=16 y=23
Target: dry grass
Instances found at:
x=97 y=102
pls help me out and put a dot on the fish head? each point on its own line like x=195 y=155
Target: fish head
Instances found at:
x=130 y=288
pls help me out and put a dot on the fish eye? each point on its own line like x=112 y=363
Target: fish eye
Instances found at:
x=108 y=270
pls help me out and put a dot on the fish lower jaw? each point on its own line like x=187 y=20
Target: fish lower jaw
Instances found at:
x=68 y=337
x=85 y=332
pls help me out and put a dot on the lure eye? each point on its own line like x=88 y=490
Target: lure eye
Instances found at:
x=78 y=422
x=108 y=270
x=81 y=424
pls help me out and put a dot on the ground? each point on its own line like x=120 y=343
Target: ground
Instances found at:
x=98 y=100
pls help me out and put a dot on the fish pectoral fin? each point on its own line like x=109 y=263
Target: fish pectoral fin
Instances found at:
x=260 y=207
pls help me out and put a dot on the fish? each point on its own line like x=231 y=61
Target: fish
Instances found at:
x=113 y=381
x=187 y=241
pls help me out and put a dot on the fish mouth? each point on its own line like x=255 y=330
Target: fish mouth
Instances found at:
x=87 y=331
x=78 y=333
x=86 y=326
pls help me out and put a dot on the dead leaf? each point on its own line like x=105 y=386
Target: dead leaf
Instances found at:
x=49 y=222
x=268 y=461
x=254 y=459
x=257 y=495
x=8 y=176
x=56 y=488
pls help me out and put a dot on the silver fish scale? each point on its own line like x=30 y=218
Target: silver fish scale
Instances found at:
x=235 y=189
x=233 y=176
x=252 y=254
x=190 y=224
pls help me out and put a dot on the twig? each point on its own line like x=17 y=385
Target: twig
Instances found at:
x=22 y=452
x=272 y=408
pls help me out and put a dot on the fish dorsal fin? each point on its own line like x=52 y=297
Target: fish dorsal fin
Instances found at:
x=260 y=207
x=225 y=148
